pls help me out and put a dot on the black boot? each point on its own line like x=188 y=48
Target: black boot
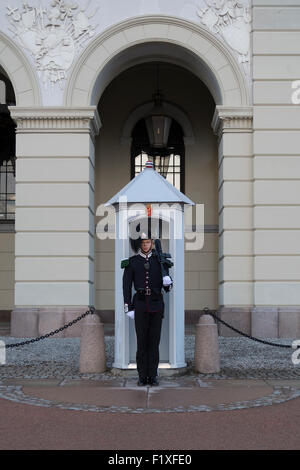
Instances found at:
x=153 y=381
x=142 y=381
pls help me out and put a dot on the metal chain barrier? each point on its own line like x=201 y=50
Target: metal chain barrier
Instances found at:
x=206 y=311
x=47 y=335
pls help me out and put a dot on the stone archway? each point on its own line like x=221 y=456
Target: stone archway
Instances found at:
x=103 y=59
x=20 y=73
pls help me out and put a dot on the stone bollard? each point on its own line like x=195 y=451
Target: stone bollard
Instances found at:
x=207 y=360
x=92 y=346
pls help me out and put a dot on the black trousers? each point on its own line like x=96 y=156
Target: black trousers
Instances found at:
x=148 y=331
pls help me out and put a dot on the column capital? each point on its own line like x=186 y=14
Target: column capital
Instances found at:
x=235 y=119
x=56 y=119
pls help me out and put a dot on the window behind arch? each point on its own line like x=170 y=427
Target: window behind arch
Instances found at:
x=7 y=152
x=168 y=161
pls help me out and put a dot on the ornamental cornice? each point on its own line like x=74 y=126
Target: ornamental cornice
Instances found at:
x=227 y=119
x=56 y=119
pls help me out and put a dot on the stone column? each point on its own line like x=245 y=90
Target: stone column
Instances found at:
x=54 y=249
x=276 y=147
x=233 y=127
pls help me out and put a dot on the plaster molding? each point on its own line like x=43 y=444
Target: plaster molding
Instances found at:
x=227 y=119
x=56 y=119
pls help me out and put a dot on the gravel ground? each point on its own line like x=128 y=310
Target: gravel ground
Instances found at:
x=240 y=357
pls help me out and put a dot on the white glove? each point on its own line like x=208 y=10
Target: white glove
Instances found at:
x=130 y=314
x=167 y=281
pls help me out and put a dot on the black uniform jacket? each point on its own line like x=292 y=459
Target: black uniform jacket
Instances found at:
x=136 y=273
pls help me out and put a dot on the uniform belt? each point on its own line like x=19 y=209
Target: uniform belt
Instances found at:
x=149 y=291
x=146 y=291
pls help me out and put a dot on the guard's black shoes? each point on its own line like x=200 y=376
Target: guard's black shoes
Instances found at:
x=153 y=381
x=142 y=381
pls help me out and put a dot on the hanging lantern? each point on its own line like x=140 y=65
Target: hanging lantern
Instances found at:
x=158 y=128
x=158 y=123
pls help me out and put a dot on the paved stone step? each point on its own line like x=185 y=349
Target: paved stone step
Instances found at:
x=123 y=395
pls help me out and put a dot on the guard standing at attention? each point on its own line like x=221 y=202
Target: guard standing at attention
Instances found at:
x=147 y=306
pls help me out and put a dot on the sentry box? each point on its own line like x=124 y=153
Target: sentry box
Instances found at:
x=149 y=201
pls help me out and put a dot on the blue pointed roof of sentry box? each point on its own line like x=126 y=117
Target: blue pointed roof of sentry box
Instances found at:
x=150 y=186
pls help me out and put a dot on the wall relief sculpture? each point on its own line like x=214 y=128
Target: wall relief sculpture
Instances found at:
x=231 y=19
x=54 y=35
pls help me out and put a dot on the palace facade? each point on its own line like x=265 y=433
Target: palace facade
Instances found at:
x=78 y=80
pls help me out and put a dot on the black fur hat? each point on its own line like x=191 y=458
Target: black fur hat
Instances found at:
x=136 y=243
